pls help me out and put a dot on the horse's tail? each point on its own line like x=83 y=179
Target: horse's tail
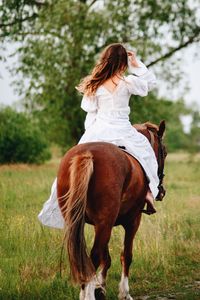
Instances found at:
x=81 y=170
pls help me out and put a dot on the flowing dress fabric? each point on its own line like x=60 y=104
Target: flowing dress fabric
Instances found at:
x=107 y=120
x=50 y=214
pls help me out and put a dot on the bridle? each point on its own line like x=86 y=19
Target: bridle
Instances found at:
x=160 y=159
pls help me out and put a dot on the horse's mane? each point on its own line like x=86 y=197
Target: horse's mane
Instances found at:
x=146 y=126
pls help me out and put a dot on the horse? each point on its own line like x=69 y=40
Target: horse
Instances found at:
x=100 y=184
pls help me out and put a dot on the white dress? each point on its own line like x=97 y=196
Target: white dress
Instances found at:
x=108 y=120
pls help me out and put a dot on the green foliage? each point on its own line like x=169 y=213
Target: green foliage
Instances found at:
x=152 y=109
x=194 y=135
x=61 y=40
x=21 y=140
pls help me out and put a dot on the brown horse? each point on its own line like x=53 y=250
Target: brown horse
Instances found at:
x=102 y=185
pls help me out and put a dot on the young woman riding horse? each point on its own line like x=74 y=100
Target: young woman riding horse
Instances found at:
x=102 y=185
x=99 y=183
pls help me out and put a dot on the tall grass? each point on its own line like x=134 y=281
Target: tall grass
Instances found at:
x=166 y=249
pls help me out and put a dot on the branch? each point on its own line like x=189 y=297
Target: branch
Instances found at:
x=92 y=3
x=19 y=21
x=172 y=51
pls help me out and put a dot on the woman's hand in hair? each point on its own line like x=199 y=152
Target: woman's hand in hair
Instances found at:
x=132 y=59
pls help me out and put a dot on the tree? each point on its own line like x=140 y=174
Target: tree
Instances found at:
x=194 y=135
x=156 y=109
x=21 y=139
x=60 y=41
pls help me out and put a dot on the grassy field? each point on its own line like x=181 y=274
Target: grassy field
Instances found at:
x=166 y=250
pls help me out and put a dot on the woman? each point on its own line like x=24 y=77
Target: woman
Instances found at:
x=106 y=100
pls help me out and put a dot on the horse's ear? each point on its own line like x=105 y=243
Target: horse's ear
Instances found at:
x=161 y=129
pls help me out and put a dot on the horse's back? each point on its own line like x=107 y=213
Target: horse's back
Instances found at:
x=113 y=182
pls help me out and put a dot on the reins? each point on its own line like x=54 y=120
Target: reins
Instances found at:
x=161 y=174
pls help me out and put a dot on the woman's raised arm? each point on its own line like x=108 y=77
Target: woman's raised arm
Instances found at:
x=142 y=80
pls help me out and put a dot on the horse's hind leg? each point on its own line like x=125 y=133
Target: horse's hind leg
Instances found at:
x=126 y=258
x=101 y=277
x=100 y=258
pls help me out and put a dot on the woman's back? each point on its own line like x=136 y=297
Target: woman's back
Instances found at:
x=112 y=83
x=114 y=94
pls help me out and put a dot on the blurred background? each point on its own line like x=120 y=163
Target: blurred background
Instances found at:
x=48 y=46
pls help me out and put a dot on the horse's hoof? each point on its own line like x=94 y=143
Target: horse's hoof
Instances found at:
x=148 y=211
x=100 y=294
x=125 y=297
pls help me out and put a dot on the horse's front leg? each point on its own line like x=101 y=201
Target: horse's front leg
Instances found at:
x=126 y=257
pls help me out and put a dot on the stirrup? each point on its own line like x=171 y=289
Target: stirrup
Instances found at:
x=150 y=210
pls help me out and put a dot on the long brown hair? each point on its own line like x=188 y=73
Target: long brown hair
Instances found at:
x=113 y=60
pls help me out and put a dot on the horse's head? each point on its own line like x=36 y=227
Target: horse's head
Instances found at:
x=155 y=134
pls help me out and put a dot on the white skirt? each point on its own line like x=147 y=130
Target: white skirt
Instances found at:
x=119 y=133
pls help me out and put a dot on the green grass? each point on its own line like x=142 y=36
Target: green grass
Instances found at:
x=166 y=249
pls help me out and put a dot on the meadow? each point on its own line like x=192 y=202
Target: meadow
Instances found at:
x=166 y=249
